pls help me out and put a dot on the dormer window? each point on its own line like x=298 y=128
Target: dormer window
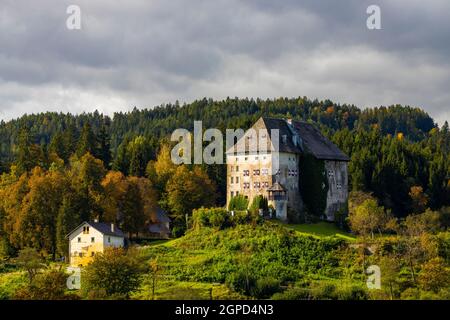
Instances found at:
x=284 y=138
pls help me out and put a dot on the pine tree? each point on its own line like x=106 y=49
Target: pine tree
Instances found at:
x=58 y=147
x=105 y=147
x=24 y=161
x=87 y=142
x=68 y=218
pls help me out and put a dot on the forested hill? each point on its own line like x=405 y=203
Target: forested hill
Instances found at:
x=387 y=144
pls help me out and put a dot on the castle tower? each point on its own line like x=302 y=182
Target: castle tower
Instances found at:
x=278 y=199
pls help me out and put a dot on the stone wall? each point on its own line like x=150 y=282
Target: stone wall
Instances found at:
x=337 y=174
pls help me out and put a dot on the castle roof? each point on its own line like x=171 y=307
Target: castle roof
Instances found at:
x=317 y=144
x=294 y=137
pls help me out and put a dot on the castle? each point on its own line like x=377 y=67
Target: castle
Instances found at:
x=266 y=161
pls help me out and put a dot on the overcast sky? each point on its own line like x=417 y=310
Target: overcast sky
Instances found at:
x=146 y=52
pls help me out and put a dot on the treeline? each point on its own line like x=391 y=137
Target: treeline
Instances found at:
x=386 y=144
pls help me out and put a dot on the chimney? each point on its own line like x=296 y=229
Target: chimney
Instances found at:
x=289 y=121
x=112 y=227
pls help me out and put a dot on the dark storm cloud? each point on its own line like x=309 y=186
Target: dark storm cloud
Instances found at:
x=145 y=53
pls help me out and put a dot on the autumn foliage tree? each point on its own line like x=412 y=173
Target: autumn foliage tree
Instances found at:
x=190 y=189
x=368 y=218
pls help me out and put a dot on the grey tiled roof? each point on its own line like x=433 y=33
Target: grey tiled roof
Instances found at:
x=268 y=124
x=105 y=228
x=162 y=216
x=317 y=144
x=310 y=139
x=102 y=227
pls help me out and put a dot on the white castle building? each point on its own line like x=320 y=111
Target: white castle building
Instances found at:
x=269 y=164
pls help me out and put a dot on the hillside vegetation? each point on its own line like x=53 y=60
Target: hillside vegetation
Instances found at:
x=269 y=260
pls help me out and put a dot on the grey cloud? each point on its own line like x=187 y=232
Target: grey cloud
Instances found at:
x=145 y=53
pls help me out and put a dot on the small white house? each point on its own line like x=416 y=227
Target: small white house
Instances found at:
x=90 y=238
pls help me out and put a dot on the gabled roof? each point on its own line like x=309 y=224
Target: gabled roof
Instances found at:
x=310 y=138
x=265 y=125
x=317 y=144
x=103 y=227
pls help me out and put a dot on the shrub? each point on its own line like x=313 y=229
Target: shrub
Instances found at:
x=434 y=275
x=116 y=272
x=259 y=202
x=292 y=294
x=352 y=292
x=240 y=217
x=242 y=282
x=265 y=288
x=178 y=231
x=211 y=217
x=323 y=291
x=238 y=203
x=46 y=286
x=410 y=294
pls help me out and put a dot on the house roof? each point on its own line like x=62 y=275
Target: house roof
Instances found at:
x=248 y=142
x=309 y=138
x=157 y=228
x=102 y=227
x=161 y=216
x=158 y=215
x=317 y=144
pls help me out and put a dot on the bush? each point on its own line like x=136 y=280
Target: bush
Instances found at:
x=221 y=218
x=265 y=288
x=410 y=294
x=292 y=294
x=434 y=275
x=240 y=217
x=352 y=292
x=259 y=202
x=178 y=231
x=211 y=217
x=115 y=272
x=323 y=291
x=46 y=286
x=242 y=282
x=238 y=203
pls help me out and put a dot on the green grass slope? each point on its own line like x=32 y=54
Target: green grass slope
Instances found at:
x=220 y=264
